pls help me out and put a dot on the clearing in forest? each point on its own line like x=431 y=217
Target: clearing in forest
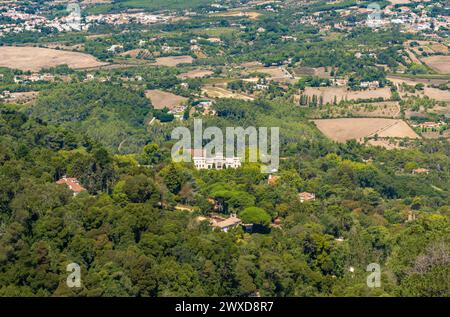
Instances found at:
x=345 y=129
x=196 y=73
x=172 y=61
x=161 y=99
x=250 y=14
x=219 y=92
x=331 y=94
x=440 y=63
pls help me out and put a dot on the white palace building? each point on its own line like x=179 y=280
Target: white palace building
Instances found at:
x=217 y=161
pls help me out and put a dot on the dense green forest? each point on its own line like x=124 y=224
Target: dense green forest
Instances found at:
x=130 y=241
x=103 y=111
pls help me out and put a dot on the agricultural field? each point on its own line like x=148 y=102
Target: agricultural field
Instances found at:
x=430 y=47
x=331 y=94
x=394 y=2
x=386 y=109
x=274 y=73
x=96 y=1
x=430 y=92
x=252 y=15
x=196 y=73
x=163 y=99
x=219 y=92
x=28 y=97
x=445 y=109
x=137 y=53
x=412 y=81
x=34 y=59
x=216 y=31
x=413 y=58
x=388 y=144
x=172 y=61
x=149 y=5
x=440 y=63
x=437 y=94
x=344 y=129
x=321 y=72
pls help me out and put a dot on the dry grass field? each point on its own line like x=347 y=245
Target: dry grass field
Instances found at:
x=312 y=71
x=196 y=73
x=428 y=46
x=413 y=58
x=437 y=94
x=137 y=53
x=430 y=92
x=62 y=46
x=219 y=92
x=341 y=93
x=445 y=110
x=250 y=14
x=439 y=48
x=251 y=65
x=389 y=144
x=386 y=109
x=161 y=99
x=434 y=93
x=394 y=2
x=35 y=58
x=440 y=63
x=389 y=109
x=28 y=97
x=415 y=80
x=274 y=72
x=96 y=1
x=172 y=61
x=344 y=129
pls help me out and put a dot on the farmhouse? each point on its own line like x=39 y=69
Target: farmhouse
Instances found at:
x=305 y=196
x=225 y=224
x=73 y=184
x=370 y=84
x=21 y=79
x=114 y=48
x=429 y=125
x=5 y=94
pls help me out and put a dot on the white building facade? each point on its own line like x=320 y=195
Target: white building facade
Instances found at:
x=217 y=161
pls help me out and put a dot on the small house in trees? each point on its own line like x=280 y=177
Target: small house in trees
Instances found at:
x=225 y=224
x=421 y=171
x=305 y=196
x=73 y=184
x=272 y=180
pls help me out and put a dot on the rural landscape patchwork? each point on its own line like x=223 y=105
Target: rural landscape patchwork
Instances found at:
x=354 y=94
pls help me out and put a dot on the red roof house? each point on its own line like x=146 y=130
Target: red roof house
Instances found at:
x=72 y=183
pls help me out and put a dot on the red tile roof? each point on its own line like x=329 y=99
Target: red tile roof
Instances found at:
x=306 y=196
x=73 y=184
x=272 y=179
